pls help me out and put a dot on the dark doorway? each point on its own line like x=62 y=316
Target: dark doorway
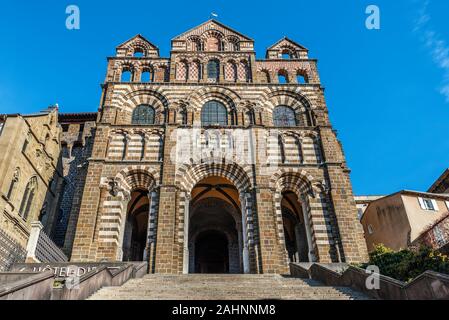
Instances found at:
x=136 y=228
x=211 y=253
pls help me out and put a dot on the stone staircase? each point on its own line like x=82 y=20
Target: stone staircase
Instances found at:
x=224 y=287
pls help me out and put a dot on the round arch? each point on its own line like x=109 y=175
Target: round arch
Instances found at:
x=137 y=177
x=199 y=97
x=128 y=102
x=189 y=175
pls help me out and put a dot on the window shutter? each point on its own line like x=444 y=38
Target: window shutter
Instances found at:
x=421 y=203
x=435 y=205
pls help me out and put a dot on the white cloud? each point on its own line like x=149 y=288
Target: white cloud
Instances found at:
x=439 y=48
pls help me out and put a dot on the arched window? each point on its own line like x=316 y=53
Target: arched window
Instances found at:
x=301 y=78
x=286 y=55
x=213 y=69
x=266 y=76
x=28 y=197
x=283 y=77
x=127 y=75
x=214 y=113
x=147 y=75
x=143 y=114
x=139 y=52
x=284 y=117
x=197 y=45
x=233 y=44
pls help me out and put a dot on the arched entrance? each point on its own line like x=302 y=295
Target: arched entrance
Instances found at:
x=136 y=227
x=215 y=239
x=295 y=234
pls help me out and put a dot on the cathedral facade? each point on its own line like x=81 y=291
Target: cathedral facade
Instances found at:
x=213 y=161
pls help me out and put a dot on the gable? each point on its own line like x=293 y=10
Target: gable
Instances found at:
x=287 y=43
x=212 y=26
x=137 y=44
x=290 y=47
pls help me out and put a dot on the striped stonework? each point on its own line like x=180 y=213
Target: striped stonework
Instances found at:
x=111 y=221
x=264 y=162
x=188 y=176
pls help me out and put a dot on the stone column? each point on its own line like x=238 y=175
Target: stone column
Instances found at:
x=245 y=251
x=305 y=212
x=185 y=269
x=152 y=231
x=148 y=249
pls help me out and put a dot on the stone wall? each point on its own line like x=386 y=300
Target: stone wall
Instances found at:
x=77 y=139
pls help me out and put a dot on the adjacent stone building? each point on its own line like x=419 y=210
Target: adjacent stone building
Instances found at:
x=30 y=178
x=212 y=161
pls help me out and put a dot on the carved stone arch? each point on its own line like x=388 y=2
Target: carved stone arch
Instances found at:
x=188 y=175
x=290 y=50
x=195 y=43
x=294 y=93
x=147 y=66
x=137 y=177
x=128 y=102
x=300 y=104
x=305 y=72
x=292 y=178
x=126 y=66
x=199 y=97
x=233 y=42
x=212 y=33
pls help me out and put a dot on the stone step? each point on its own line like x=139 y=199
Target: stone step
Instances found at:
x=224 y=287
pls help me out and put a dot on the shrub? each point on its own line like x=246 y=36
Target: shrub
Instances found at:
x=406 y=265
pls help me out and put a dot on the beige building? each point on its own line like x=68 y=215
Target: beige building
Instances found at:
x=399 y=219
x=362 y=203
x=30 y=177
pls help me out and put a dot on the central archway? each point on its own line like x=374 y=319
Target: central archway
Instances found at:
x=215 y=229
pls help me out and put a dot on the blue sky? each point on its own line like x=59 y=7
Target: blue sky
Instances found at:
x=384 y=89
